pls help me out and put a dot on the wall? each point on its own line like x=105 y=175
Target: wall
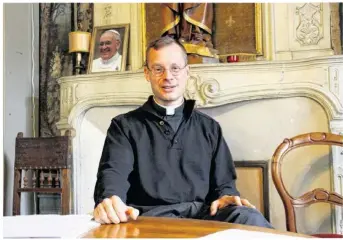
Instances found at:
x=18 y=65
x=301 y=30
x=290 y=30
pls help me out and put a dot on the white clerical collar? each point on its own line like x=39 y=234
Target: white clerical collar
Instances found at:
x=170 y=110
x=111 y=60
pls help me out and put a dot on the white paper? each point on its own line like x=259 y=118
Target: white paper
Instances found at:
x=245 y=234
x=47 y=226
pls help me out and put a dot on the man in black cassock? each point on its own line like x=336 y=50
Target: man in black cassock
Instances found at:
x=166 y=158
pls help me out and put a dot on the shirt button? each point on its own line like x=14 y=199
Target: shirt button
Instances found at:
x=175 y=141
x=167 y=132
x=161 y=123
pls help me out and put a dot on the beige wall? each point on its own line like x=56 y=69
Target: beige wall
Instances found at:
x=290 y=22
x=18 y=77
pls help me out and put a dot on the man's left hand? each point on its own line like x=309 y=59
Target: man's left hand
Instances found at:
x=227 y=200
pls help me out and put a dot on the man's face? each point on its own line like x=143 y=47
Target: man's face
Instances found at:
x=168 y=88
x=108 y=45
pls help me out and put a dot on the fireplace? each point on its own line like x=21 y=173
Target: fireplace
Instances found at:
x=257 y=104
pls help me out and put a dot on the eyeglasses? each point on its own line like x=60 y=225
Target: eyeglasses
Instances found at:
x=158 y=70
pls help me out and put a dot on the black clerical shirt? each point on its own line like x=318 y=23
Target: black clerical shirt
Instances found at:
x=147 y=163
x=173 y=120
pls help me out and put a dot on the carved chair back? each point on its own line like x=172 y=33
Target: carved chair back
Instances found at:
x=43 y=165
x=311 y=197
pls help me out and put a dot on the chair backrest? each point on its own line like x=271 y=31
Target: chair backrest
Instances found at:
x=43 y=165
x=314 y=196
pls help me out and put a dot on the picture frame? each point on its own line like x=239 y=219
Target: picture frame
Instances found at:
x=108 y=56
x=243 y=39
x=253 y=183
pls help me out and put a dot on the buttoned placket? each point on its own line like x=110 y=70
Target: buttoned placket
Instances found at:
x=169 y=133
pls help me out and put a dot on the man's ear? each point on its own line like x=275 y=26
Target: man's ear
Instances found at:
x=146 y=74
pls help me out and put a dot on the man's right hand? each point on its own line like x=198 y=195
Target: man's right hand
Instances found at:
x=113 y=210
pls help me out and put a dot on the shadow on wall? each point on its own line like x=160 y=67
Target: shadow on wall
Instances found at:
x=5 y=181
x=315 y=171
x=323 y=227
x=32 y=117
x=306 y=226
x=341 y=22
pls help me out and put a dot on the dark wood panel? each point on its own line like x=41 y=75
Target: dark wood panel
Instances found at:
x=42 y=190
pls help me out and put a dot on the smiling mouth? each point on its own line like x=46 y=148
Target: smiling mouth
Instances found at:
x=168 y=87
x=105 y=50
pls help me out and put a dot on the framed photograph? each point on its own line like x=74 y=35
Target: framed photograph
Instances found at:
x=109 y=48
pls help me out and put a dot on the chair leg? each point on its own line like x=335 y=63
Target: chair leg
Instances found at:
x=65 y=195
x=16 y=194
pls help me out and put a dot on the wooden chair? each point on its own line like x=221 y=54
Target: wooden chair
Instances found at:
x=48 y=161
x=311 y=197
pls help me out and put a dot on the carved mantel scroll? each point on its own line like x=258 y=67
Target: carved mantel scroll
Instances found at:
x=203 y=91
x=320 y=79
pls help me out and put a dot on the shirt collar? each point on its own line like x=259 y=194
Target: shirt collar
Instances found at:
x=169 y=110
x=150 y=106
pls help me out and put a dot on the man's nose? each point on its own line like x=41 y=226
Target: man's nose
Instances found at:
x=168 y=74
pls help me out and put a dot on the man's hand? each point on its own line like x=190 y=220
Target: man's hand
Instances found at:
x=113 y=210
x=227 y=200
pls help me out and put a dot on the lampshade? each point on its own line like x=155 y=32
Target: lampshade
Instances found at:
x=79 y=41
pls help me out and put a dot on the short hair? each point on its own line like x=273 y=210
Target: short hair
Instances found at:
x=161 y=43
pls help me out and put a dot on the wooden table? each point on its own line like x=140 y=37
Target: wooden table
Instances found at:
x=158 y=227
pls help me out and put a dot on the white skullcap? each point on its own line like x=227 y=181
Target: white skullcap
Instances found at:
x=114 y=31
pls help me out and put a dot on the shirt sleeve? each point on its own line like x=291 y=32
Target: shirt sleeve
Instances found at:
x=115 y=165
x=223 y=173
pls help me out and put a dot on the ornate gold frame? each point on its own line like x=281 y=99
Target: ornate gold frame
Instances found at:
x=124 y=44
x=258 y=33
x=258 y=36
x=258 y=28
x=144 y=31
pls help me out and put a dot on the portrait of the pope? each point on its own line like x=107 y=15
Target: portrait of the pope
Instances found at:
x=109 y=49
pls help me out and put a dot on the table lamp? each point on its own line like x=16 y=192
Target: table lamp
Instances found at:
x=79 y=43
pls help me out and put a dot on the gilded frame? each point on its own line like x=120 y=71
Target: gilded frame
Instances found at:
x=144 y=41
x=258 y=31
x=258 y=36
x=121 y=28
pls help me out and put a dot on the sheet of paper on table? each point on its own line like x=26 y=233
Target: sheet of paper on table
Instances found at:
x=244 y=234
x=47 y=226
